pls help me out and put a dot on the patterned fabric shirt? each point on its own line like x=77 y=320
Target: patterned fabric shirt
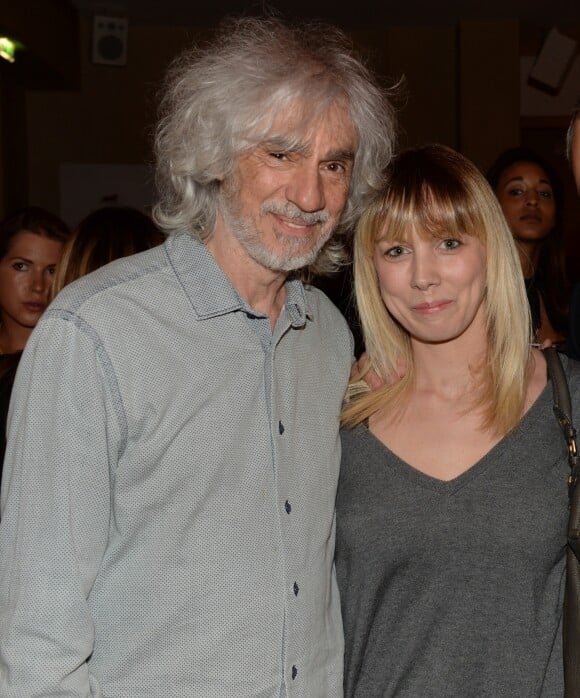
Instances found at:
x=168 y=497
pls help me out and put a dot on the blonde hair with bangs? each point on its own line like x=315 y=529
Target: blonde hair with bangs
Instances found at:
x=436 y=191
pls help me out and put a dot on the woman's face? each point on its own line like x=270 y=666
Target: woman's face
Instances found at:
x=526 y=197
x=434 y=287
x=26 y=272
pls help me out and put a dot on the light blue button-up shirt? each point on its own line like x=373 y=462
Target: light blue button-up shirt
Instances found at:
x=168 y=494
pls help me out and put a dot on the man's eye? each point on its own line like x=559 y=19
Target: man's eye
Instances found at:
x=278 y=156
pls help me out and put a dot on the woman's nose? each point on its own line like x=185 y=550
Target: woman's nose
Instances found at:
x=425 y=272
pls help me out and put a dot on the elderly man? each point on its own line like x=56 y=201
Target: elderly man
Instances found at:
x=168 y=505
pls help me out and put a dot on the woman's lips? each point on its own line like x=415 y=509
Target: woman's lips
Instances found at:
x=432 y=307
x=531 y=218
x=35 y=307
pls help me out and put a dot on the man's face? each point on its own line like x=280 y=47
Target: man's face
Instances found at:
x=284 y=201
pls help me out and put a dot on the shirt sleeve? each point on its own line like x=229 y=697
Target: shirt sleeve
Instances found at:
x=63 y=442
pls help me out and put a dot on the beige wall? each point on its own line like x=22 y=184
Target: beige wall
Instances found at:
x=425 y=58
x=109 y=119
x=489 y=89
x=460 y=88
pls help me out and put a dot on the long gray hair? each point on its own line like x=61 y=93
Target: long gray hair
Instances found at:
x=221 y=101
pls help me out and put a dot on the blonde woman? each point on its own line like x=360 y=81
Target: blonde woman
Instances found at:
x=452 y=502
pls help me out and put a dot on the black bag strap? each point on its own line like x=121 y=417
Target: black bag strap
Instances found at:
x=571 y=640
x=563 y=412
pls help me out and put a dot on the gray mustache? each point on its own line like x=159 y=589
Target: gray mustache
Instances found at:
x=295 y=213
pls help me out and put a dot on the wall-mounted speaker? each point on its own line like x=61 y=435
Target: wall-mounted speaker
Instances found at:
x=109 y=40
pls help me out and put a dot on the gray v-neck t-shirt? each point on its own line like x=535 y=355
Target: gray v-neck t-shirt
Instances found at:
x=455 y=589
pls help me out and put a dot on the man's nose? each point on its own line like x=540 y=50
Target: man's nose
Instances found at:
x=306 y=188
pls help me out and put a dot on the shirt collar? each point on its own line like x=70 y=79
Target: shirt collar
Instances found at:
x=210 y=291
x=296 y=305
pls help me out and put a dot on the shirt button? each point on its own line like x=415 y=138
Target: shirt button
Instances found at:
x=287 y=507
x=280 y=427
x=296 y=589
x=294 y=672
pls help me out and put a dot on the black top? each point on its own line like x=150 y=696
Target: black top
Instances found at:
x=534 y=290
x=8 y=366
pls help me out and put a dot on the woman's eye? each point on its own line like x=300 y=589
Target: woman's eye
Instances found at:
x=450 y=244
x=545 y=194
x=19 y=266
x=396 y=251
x=514 y=192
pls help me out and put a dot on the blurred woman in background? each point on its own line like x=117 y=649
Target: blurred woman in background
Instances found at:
x=31 y=242
x=530 y=194
x=106 y=234
x=39 y=258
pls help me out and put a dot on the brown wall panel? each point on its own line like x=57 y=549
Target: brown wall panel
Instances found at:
x=489 y=89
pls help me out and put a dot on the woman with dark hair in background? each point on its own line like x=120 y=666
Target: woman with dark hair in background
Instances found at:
x=31 y=242
x=104 y=235
x=530 y=194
